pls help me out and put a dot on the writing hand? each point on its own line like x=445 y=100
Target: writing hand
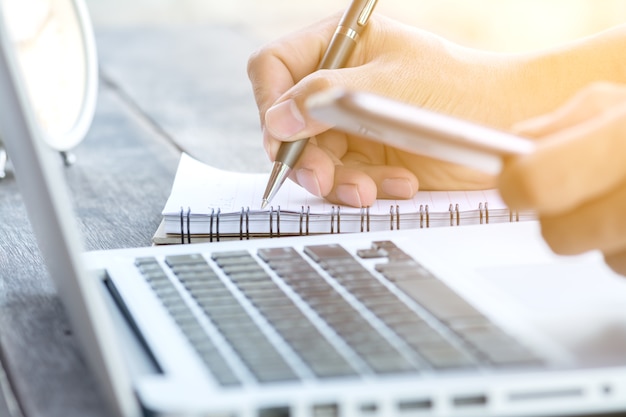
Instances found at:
x=390 y=59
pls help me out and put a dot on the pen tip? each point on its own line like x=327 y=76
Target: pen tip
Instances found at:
x=280 y=172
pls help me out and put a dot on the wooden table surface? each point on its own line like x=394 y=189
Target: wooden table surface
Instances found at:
x=163 y=90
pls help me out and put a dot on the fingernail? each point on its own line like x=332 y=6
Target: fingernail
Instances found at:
x=349 y=194
x=398 y=187
x=284 y=120
x=307 y=179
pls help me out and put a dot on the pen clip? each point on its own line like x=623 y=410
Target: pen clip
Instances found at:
x=366 y=13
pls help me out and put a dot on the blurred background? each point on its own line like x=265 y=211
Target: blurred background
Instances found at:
x=180 y=65
x=500 y=25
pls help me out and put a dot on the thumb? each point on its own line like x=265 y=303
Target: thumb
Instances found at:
x=288 y=120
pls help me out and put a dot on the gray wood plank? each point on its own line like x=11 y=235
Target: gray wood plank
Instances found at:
x=9 y=406
x=120 y=182
x=191 y=80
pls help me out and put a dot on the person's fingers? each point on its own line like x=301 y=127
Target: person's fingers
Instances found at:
x=287 y=121
x=586 y=104
x=279 y=65
x=316 y=170
x=288 y=118
x=617 y=261
x=352 y=187
x=323 y=175
x=392 y=182
x=569 y=167
x=335 y=142
x=597 y=224
x=360 y=186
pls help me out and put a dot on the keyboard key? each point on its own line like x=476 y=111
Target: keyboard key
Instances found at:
x=280 y=311
x=446 y=333
x=402 y=270
x=497 y=346
x=243 y=334
x=336 y=311
x=193 y=258
x=446 y=357
x=372 y=253
x=438 y=298
x=273 y=254
x=189 y=325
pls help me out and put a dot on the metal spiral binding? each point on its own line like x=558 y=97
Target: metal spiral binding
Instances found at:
x=486 y=212
x=241 y=224
x=455 y=215
x=483 y=209
x=217 y=224
x=188 y=224
x=397 y=217
x=247 y=223
x=214 y=218
x=244 y=219
x=424 y=216
x=304 y=218
x=182 y=229
x=271 y=222
x=182 y=225
x=365 y=219
x=335 y=211
x=211 y=225
x=394 y=217
x=335 y=220
x=338 y=219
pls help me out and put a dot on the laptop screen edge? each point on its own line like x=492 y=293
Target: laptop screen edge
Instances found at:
x=47 y=202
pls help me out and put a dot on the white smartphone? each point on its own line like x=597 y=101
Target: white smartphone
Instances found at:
x=416 y=130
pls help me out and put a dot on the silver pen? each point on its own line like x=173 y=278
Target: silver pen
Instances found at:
x=339 y=50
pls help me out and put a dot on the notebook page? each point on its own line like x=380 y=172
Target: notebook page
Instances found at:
x=201 y=188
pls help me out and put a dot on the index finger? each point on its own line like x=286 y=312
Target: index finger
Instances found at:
x=277 y=67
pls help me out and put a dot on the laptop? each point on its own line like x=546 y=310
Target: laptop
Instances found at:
x=459 y=321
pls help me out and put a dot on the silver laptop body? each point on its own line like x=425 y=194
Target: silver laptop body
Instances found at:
x=459 y=321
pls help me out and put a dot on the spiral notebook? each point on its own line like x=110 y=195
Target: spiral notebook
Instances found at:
x=207 y=203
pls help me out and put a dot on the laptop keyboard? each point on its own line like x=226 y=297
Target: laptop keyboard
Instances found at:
x=324 y=314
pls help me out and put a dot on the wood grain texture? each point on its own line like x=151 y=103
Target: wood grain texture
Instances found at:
x=192 y=81
x=8 y=402
x=119 y=183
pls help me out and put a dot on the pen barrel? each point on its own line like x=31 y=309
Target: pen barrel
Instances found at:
x=337 y=54
x=346 y=36
x=289 y=152
x=339 y=50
